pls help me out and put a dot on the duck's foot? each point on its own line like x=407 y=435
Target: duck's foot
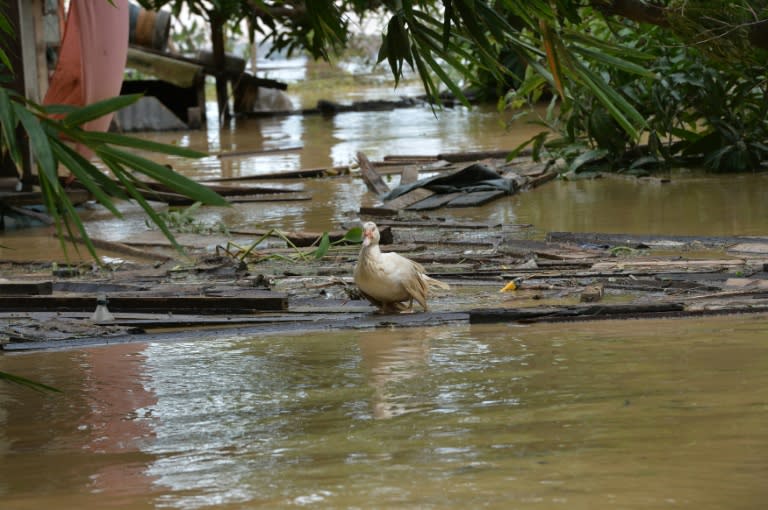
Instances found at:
x=394 y=308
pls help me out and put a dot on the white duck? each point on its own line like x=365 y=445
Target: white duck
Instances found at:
x=387 y=280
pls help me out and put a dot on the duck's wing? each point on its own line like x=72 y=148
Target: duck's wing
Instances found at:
x=408 y=274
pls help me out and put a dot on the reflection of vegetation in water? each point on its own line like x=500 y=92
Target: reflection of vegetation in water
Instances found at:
x=27 y=383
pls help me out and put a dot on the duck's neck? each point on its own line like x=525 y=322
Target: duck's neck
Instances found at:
x=372 y=250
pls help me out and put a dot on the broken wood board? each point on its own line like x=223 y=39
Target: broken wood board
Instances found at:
x=25 y=198
x=653 y=241
x=286 y=174
x=442 y=224
x=122 y=249
x=371 y=177
x=463 y=157
x=20 y=287
x=553 y=251
x=409 y=174
x=536 y=181
x=668 y=265
x=746 y=283
x=752 y=248
x=235 y=198
x=407 y=199
x=273 y=197
x=476 y=198
x=603 y=312
x=585 y=312
x=433 y=202
x=244 y=302
x=256 y=152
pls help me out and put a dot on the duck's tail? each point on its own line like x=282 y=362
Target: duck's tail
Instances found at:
x=432 y=283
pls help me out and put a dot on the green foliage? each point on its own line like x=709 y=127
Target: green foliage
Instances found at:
x=697 y=111
x=182 y=220
x=324 y=246
x=51 y=141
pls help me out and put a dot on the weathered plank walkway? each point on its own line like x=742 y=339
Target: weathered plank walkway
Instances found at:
x=560 y=279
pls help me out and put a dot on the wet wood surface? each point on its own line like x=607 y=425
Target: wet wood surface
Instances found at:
x=279 y=291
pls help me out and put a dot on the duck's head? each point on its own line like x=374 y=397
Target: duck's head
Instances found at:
x=370 y=234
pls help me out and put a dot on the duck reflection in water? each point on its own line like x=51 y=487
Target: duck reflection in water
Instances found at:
x=395 y=362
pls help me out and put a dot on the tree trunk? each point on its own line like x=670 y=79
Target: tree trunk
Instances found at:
x=642 y=12
x=18 y=84
x=217 y=38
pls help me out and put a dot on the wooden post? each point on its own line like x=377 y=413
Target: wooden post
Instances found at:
x=21 y=52
x=217 y=38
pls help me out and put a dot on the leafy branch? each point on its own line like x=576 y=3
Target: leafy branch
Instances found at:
x=55 y=132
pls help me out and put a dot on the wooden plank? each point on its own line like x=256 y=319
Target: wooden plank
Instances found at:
x=409 y=175
x=410 y=158
x=476 y=198
x=583 y=312
x=121 y=248
x=244 y=302
x=272 y=197
x=371 y=177
x=654 y=241
x=407 y=199
x=746 y=283
x=163 y=67
x=256 y=152
x=461 y=157
x=752 y=248
x=534 y=182
x=22 y=198
x=660 y=266
x=377 y=212
x=452 y=225
x=434 y=202
x=10 y=287
x=286 y=174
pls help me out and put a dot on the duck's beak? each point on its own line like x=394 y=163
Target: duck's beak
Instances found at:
x=367 y=235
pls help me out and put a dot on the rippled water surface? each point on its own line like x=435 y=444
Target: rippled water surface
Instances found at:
x=592 y=415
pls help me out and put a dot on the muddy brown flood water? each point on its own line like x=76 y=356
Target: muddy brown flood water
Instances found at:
x=650 y=414
x=631 y=415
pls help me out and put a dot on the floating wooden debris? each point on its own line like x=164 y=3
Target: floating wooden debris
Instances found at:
x=554 y=281
x=454 y=187
x=245 y=302
x=286 y=174
x=256 y=152
x=372 y=179
x=660 y=241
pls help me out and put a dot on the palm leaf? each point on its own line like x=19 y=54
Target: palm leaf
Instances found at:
x=99 y=109
x=163 y=175
x=138 y=143
x=548 y=38
x=41 y=148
